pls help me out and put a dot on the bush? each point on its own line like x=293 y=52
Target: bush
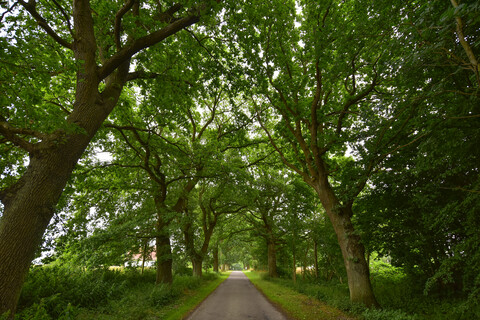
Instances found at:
x=57 y=291
x=186 y=282
x=60 y=291
x=209 y=276
x=163 y=294
x=183 y=271
x=376 y=314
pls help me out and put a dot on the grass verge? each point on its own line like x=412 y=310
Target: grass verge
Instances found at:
x=183 y=308
x=296 y=305
x=149 y=302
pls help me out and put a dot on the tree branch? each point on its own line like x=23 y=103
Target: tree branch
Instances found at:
x=144 y=42
x=461 y=189
x=8 y=10
x=118 y=22
x=31 y=8
x=353 y=101
x=11 y=134
x=466 y=46
x=277 y=149
x=212 y=115
x=65 y=16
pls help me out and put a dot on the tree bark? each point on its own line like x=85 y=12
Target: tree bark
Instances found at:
x=164 y=259
x=305 y=257
x=30 y=203
x=272 y=259
x=315 y=257
x=353 y=251
x=215 y=258
x=144 y=254
x=197 y=262
x=294 y=266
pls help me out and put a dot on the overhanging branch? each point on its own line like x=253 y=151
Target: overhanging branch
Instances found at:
x=144 y=42
x=30 y=6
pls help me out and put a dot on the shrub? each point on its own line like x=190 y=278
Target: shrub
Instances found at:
x=163 y=294
x=184 y=271
x=186 y=282
x=58 y=290
x=376 y=314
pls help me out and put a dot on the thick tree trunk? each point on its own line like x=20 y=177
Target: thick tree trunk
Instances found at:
x=27 y=212
x=353 y=251
x=197 y=266
x=30 y=203
x=272 y=259
x=164 y=259
x=162 y=240
x=215 y=259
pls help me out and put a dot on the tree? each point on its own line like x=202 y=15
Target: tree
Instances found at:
x=97 y=42
x=215 y=202
x=425 y=199
x=323 y=82
x=268 y=202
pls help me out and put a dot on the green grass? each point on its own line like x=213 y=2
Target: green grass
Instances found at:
x=191 y=301
x=150 y=302
x=400 y=296
x=67 y=292
x=295 y=304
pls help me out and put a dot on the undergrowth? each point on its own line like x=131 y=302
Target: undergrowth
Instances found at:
x=401 y=297
x=68 y=292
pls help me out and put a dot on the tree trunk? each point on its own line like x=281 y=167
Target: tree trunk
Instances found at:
x=215 y=258
x=272 y=259
x=144 y=255
x=29 y=204
x=164 y=259
x=143 y=263
x=197 y=262
x=315 y=257
x=294 y=274
x=26 y=215
x=353 y=251
x=305 y=261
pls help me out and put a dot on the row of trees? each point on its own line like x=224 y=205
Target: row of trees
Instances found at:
x=371 y=106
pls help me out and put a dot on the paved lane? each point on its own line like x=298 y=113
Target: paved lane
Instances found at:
x=236 y=299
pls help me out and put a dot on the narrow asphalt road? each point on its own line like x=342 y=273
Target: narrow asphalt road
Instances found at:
x=236 y=299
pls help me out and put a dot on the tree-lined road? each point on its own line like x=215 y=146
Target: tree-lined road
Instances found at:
x=236 y=298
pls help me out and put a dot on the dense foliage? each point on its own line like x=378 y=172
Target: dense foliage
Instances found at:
x=332 y=143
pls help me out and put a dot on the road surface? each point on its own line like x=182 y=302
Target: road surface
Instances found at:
x=236 y=299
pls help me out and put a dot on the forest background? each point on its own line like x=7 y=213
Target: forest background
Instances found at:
x=336 y=136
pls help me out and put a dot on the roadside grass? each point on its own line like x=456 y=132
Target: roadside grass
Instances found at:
x=401 y=298
x=190 y=301
x=296 y=305
x=67 y=292
x=158 y=302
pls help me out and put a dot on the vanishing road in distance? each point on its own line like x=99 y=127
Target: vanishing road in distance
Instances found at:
x=236 y=299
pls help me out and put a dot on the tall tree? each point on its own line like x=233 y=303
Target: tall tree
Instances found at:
x=428 y=213
x=268 y=202
x=323 y=73
x=97 y=41
x=214 y=202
